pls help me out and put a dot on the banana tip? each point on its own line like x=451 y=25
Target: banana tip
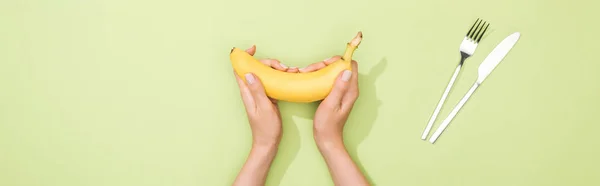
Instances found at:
x=357 y=39
x=231 y=50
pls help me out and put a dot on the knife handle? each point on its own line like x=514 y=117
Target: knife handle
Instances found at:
x=446 y=122
x=441 y=102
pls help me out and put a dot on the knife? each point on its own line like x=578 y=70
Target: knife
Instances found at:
x=486 y=67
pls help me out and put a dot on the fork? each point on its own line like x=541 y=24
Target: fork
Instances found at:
x=467 y=48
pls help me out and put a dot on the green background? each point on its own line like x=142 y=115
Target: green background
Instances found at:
x=126 y=93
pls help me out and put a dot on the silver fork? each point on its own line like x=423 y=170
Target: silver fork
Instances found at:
x=467 y=48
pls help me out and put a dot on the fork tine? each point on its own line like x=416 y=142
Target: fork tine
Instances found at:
x=476 y=29
x=477 y=34
x=482 y=33
x=469 y=33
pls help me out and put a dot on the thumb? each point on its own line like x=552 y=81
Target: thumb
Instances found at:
x=256 y=88
x=339 y=88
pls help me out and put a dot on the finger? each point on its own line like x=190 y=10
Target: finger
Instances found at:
x=339 y=88
x=273 y=63
x=353 y=90
x=319 y=65
x=257 y=90
x=330 y=60
x=251 y=50
x=293 y=70
x=245 y=92
x=313 y=67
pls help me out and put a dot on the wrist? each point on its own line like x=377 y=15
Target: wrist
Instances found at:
x=329 y=142
x=267 y=151
x=265 y=144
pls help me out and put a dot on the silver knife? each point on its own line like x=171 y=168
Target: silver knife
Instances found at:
x=486 y=67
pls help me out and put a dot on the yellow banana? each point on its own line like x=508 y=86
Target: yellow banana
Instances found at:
x=294 y=87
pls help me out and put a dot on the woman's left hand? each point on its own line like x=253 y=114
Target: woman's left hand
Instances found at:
x=263 y=112
x=265 y=123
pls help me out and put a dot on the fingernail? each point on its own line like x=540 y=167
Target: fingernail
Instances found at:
x=249 y=78
x=328 y=59
x=302 y=69
x=346 y=75
x=282 y=65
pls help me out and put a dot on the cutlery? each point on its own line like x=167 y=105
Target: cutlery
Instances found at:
x=486 y=67
x=467 y=48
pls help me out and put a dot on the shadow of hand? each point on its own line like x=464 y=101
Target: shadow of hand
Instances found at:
x=361 y=120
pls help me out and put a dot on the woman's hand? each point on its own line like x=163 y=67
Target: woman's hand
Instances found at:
x=334 y=110
x=265 y=123
x=263 y=112
x=329 y=121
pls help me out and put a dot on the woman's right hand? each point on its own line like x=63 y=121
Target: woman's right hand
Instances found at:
x=328 y=125
x=333 y=112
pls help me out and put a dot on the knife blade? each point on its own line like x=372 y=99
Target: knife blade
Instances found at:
x=493 y=59
x=485 y=68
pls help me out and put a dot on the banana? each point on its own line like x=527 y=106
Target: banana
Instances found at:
x=294 y=87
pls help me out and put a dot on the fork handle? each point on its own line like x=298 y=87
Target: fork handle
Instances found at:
x=446 y=122
x=436 y=112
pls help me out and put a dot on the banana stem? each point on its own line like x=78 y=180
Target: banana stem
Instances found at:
x=351 y=46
